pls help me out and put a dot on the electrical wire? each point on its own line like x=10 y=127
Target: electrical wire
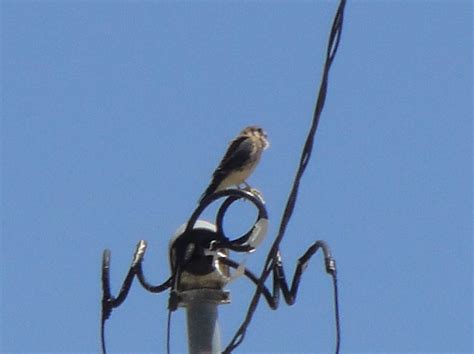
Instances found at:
x=333 y=45
x=168 y=333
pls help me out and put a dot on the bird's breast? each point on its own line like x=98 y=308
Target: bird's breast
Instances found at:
x=237 y=177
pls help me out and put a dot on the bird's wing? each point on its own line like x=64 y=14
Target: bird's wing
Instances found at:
x=237 y=155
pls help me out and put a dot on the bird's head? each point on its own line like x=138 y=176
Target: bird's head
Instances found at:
x=257 y=132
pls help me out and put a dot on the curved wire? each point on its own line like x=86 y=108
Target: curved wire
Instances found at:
x=333 y=45
x=279 y=279
x=109 y=302
x=168 y=332
x=336 y=311
x=238 y=244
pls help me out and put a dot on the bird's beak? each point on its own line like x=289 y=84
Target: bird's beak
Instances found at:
x=267 y=144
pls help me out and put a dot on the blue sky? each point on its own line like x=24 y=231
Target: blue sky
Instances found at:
x=114 y=115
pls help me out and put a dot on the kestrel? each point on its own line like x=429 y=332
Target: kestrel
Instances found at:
x=239 y=161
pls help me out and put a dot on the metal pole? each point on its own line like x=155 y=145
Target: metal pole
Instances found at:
x=202 y=318
x=203 y=328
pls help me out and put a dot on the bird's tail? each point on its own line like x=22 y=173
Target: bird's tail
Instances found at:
x=209 y=190
x=212 y=188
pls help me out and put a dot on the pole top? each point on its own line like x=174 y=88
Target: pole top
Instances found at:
x=213 y=296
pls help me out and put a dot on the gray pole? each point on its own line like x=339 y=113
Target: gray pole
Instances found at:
x=202 y=317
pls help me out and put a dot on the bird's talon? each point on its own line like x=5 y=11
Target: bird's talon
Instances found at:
x=256 y=193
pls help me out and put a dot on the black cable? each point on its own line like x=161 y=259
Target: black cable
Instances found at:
x=109 y=302
x=333 y=44
x=106 y=307
x=336 y=312
x=168 y=333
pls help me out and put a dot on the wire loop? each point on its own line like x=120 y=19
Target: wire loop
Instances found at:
x=244 y=243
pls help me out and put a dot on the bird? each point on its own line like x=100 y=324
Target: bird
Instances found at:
x=240 y=160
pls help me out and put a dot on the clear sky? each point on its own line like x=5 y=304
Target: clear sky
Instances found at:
x=114 y=115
